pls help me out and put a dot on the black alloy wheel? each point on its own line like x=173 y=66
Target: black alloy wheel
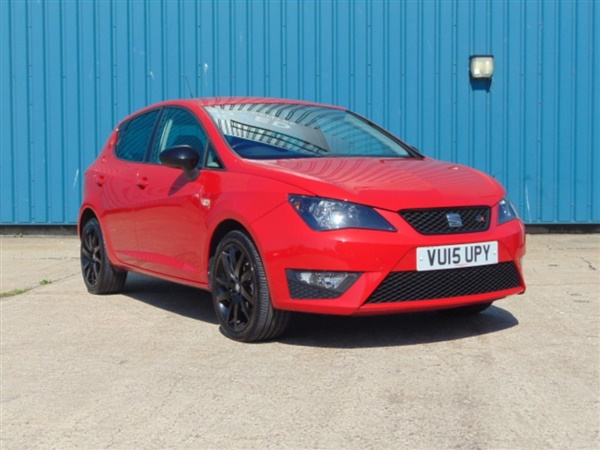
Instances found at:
x=99 y=275
x=237 y=281
x=240 y=292
x=91 y=256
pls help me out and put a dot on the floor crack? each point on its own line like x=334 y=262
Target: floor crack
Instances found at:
x=590 y=265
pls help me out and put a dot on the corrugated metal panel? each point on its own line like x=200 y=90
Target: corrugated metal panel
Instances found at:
x=71 y=70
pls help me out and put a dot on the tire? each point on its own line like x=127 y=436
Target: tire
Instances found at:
x=468 y=310
x=241 y=293
x=99 y=275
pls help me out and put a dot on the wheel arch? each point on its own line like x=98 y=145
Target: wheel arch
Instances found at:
x=85 y=215
x=221 y=230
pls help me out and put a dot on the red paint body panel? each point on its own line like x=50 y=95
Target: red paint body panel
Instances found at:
x=391 y=184
x=156 y=221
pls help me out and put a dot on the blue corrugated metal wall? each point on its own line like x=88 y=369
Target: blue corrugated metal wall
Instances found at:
x=71 y=70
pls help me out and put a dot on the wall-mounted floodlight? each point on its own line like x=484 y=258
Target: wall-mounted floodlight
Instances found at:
x=482 y=66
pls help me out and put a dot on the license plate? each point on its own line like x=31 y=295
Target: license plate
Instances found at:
x=455 y=256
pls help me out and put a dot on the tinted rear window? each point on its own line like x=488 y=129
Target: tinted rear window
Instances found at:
x=134 y=137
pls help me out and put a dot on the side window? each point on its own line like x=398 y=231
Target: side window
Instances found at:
x=212 y=159
x=134 y=137
x=179 y=127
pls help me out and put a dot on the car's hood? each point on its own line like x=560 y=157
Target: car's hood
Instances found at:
x=391 y=184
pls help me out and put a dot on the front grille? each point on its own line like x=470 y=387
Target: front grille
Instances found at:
x=300 y=291
x=436 y=221
x=448 y=283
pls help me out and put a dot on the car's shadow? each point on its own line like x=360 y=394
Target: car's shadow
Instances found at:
x=314 y=330
x=176 y=298
x=393 y=330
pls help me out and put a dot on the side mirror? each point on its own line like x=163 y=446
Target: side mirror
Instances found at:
x=182 y=157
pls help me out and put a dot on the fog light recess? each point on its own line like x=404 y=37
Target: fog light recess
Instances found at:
x=310 y=284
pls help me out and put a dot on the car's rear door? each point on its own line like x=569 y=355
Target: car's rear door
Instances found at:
x=170 y=218
x=117 y=177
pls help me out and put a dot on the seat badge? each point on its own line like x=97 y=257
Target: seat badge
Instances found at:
x=454 y=220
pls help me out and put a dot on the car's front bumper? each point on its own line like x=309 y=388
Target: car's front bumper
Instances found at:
x=390 y=281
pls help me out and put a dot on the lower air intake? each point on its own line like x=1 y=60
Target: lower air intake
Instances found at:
x=412 y=286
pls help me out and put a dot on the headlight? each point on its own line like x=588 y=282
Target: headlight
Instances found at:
x=506 y=211
x=324 y=214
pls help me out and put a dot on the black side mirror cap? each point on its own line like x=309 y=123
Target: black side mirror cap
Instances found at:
x=182 y=157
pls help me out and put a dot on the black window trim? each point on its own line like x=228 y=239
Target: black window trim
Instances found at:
x=148 y=153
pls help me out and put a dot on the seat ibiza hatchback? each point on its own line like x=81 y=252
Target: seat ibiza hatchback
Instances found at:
x=277 y=206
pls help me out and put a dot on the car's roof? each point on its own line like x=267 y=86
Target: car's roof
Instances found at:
x=217 y=101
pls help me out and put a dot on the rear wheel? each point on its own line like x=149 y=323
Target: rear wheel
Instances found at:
x=241 y=294
x=468 y=310
x=99 y=275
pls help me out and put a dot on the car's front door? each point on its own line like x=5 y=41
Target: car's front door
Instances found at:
x=170 y=218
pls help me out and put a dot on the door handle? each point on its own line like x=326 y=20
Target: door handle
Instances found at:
x=99 y=180
x=142 y=182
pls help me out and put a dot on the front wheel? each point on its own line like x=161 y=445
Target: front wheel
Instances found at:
x=241 y=294
x=99 y=275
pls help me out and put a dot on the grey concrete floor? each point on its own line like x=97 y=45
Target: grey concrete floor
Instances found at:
x=149 y=368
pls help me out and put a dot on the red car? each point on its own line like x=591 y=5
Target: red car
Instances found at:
x=277 y=206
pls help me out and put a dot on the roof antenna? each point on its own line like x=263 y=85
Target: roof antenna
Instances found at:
x=188 y=85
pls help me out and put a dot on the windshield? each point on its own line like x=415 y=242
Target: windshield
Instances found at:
x=278 y=131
